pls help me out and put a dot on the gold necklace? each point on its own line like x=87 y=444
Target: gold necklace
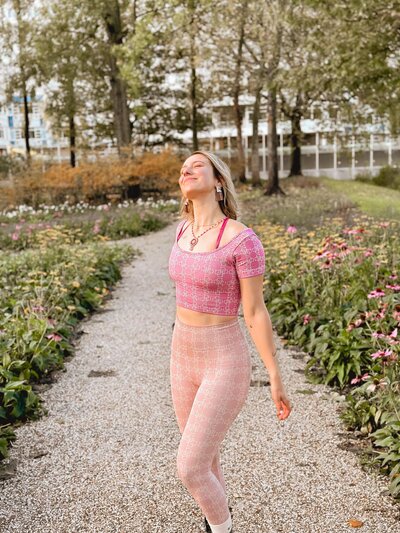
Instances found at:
x=195 y=239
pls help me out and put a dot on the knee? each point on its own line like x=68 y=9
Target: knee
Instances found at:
x=188 y=471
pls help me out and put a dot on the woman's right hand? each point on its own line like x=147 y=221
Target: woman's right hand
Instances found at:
x=280 y=400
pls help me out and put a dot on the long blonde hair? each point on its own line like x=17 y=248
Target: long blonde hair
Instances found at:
x=228 y=205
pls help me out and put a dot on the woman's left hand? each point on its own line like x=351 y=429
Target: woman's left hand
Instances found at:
x=280 y=399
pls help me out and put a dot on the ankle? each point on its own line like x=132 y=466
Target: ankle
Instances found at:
x=225 y=527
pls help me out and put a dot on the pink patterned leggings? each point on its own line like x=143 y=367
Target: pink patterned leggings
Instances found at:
x=210 y=369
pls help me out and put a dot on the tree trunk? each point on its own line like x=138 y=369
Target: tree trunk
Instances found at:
x=22 y=75
x=236 y=107
x=273 y=175
x=72 y=138
x=26 y=124
x=295 y=141
x=193 y=99
x=255 y=156
x=193 y=74
x=122 y=123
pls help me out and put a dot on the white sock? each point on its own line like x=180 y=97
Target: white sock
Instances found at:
x=226 y=527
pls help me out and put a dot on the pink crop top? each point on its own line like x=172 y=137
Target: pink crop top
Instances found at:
x=209 y=281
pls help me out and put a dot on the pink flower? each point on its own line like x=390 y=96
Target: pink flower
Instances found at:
x=306 y=318
x=381 y=353
x=384 y=224
x=377 y=293
x=368 y=252
x=320 y=255
x=393 y=287
x=378 y=335
x=394 y=333
x=291 y=229
x=382 y=383
x=353 y=231
x=377 y=354
x=393 y=276
x=96 y=228
x=54 y=337
x=15 y=236
x=364 y=377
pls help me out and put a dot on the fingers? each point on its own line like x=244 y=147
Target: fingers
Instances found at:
x=284 y=409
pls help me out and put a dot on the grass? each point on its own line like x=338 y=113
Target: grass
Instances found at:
x=376 y=201
x=314 y=202
x=308 y=204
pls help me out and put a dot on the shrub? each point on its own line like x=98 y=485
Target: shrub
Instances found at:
x=95 y=181
x=388 y=176
x=364 y=177
x=43 y=294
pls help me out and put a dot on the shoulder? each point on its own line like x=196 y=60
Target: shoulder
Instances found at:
x=248 y=242
x=180 y=225
x=233 y=228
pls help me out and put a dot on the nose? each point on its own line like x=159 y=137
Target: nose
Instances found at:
x=185 y=174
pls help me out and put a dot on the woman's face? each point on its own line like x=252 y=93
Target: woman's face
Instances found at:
x=197 y=176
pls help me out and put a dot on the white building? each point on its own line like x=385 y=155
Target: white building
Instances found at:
x=12 y=126
x=328 y=146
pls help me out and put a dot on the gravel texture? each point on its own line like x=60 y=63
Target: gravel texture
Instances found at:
x=104 y=458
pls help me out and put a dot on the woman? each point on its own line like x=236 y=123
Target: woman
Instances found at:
x=215 y=262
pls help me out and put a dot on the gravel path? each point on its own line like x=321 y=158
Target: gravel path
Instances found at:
x=103 y=460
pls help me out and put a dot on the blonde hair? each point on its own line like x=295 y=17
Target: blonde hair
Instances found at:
x=228 y=205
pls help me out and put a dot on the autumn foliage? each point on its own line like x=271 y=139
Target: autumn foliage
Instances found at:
x=91 y=181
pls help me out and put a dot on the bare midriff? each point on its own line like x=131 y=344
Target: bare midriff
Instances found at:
x=196 y=318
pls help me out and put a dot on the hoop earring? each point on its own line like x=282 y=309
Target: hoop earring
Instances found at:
x=219 y=196
x=187 y=205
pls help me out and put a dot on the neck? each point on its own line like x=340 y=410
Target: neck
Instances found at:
x=206 y=212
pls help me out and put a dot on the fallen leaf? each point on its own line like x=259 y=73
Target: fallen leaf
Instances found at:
x=355 y=523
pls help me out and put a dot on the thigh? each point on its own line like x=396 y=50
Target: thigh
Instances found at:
x=183 y=384
x=183 y=392
x=217 y=403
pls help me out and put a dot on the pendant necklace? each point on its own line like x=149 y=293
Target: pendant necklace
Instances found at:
x=195 y=239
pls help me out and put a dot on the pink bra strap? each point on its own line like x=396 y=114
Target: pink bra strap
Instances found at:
x=221 y=231
x=180 y=231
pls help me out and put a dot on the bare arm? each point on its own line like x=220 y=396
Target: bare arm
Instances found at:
x=259 y=325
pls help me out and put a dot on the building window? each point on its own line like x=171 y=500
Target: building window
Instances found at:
x=1 y=133
x=10 y=122
x=35 y=134
x=18 y=134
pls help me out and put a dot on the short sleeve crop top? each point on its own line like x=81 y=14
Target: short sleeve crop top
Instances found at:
x=209 y=281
